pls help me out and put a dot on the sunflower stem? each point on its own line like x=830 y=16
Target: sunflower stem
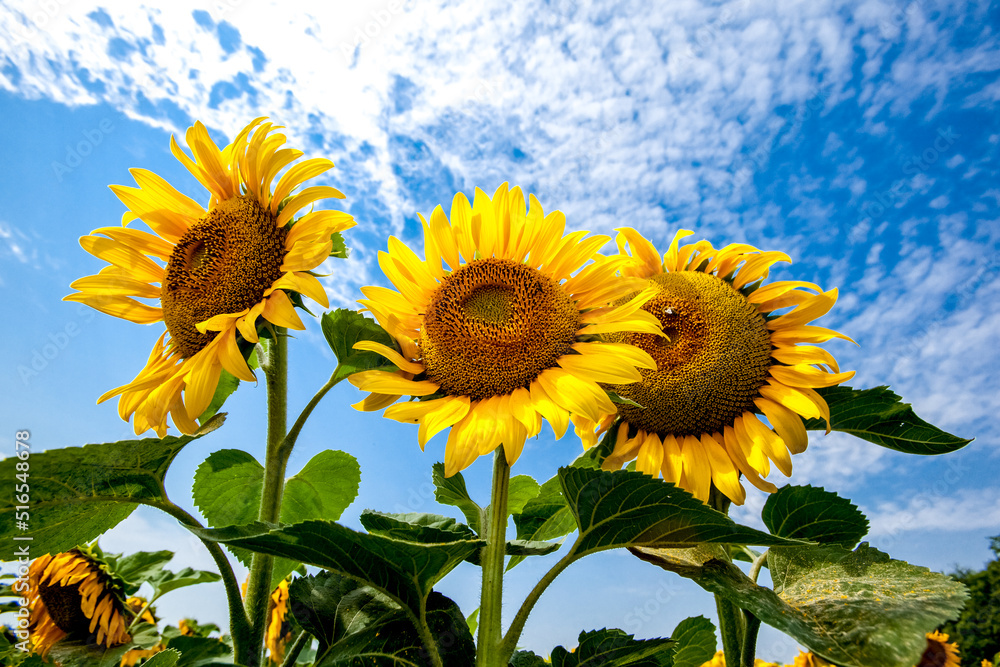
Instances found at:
x=730 y=629
x=300 y=643
x=259 y=583
x=749 y=654
x=239 y=625
x=514 y=631
x=489 y=652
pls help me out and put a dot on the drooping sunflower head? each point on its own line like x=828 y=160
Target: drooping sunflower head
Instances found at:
x=497 y=327
x=74 y=594
x=726 y=361
x=211 y=273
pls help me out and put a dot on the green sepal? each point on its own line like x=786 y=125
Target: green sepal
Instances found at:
x=614 y=648
x=78 y=493
x=630 y=509
x=814 y=514
x=342 y=329
x=878 y=415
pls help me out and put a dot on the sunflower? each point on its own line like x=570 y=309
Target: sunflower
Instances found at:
x=225 y=267
x=809 y=659
x=73 y=593
x=279 y=630
x=727 y=360
x=939 y=653
x=506 y=335
x=719 y=660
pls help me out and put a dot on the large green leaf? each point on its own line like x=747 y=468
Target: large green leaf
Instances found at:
x=522 y=488
x=228 y=383
x=545 y=517
x=166 y=658
x=343 y=328
x=854 y=608
x=879 y=415
x=77 y=493
x=403 y=570
x=812 y=513
x=77 y=652
x=228 y=484
x=452 y=491
x=627 y=509
x=614 y=648
x=416 y=527
x=137 y=567
x=353 y=621
x=695 y=637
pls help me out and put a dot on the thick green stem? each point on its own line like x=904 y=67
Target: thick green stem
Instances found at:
x=239 y=626
x=492 y=560
x=259 y=583
x=514 y=632
x=730 y=629
x=752 y=625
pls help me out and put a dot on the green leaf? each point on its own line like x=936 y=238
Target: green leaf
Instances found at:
x=228 y=383
x=137 y=567
x=473 y=620
x=417 y=527
x=78 y=493
x=228 y=484
x=340 y=249
x=527 y=659
x=355 y=622
x=165 y=581
x=695 y=637
x=165 y=658
x=812 y=513
x=614 y=648
x=878 y=415
x=623 y=509
x=522 y=488
x=403 y=570
x=198 y=650
x=452 y=491
x=854 y=608
x=323 y=489
x=545 y=517
x=343 y=328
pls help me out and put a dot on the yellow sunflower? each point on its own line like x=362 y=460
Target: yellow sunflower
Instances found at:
x=727 y=360
x=72 y=593
x=498 y=326
x=939 y=653
x=225 y=267
x=279 y=630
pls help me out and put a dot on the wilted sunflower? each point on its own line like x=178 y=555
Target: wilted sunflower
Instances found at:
x=505 y=335
x=73 y=593
x=225 y=267
x=725 y=362
x=279 y=630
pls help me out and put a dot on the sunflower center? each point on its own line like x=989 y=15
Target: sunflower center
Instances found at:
x=63 y=605
x=708 y=373
x=222 y=264
x=493 y=326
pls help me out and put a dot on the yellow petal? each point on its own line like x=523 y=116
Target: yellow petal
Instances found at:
x=769 y=442
x=304 y=284
x=576 y=395
x=786 y=423
x=278 y=309
x=200 y=384
x=375 y=401
x=297 y=175
x=774 y=290
x=391 y=354
x=672 y=467
x=644 y=254
x=670 y=258
x=144 y=242
x=804 y=334
x=650 y=455
x=554 y=414
x=805 y=375
x=817 y=306
x=735 y=451
x=697 y=469
x=232 y=359
x=805 y=354
x=391 y=383
x=114 y=252
x=303 y=199
x=724 y=473
x=119 y=306
x=116 y=285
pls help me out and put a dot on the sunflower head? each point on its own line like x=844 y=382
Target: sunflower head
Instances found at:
x=214 y=275
x=939 y=652
x=74 y=594
x=727 y=360
x=498 y=327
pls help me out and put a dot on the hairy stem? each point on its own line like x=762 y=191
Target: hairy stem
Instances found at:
x=259 y=583
x=730 y=629
x=749 y=654
x=488 y=650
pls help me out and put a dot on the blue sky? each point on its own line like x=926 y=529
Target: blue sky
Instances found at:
x=860 y=138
